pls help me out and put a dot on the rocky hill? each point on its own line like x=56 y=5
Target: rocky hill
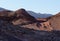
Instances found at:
x=20 y=26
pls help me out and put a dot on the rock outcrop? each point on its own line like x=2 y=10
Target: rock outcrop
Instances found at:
x=55 y=21
x=22 y=17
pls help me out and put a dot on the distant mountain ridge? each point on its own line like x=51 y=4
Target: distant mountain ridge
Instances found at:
x=39 y=15
x=1 y=9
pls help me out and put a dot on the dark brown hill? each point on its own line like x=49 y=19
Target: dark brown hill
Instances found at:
x=22 y=17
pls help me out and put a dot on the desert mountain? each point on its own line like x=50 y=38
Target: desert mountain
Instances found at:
x=22 y=17
x=36 y=15
x=39 y=15
x=19 y=25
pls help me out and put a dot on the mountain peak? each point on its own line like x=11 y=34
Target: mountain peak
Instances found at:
x=23 y=13
x=21 y=10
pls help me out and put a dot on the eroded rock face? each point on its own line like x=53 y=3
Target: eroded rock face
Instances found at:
x=55 y=21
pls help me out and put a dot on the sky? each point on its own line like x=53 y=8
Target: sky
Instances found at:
x=39 y=6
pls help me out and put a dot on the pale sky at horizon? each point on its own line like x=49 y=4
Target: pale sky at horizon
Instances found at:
x=39 y=6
